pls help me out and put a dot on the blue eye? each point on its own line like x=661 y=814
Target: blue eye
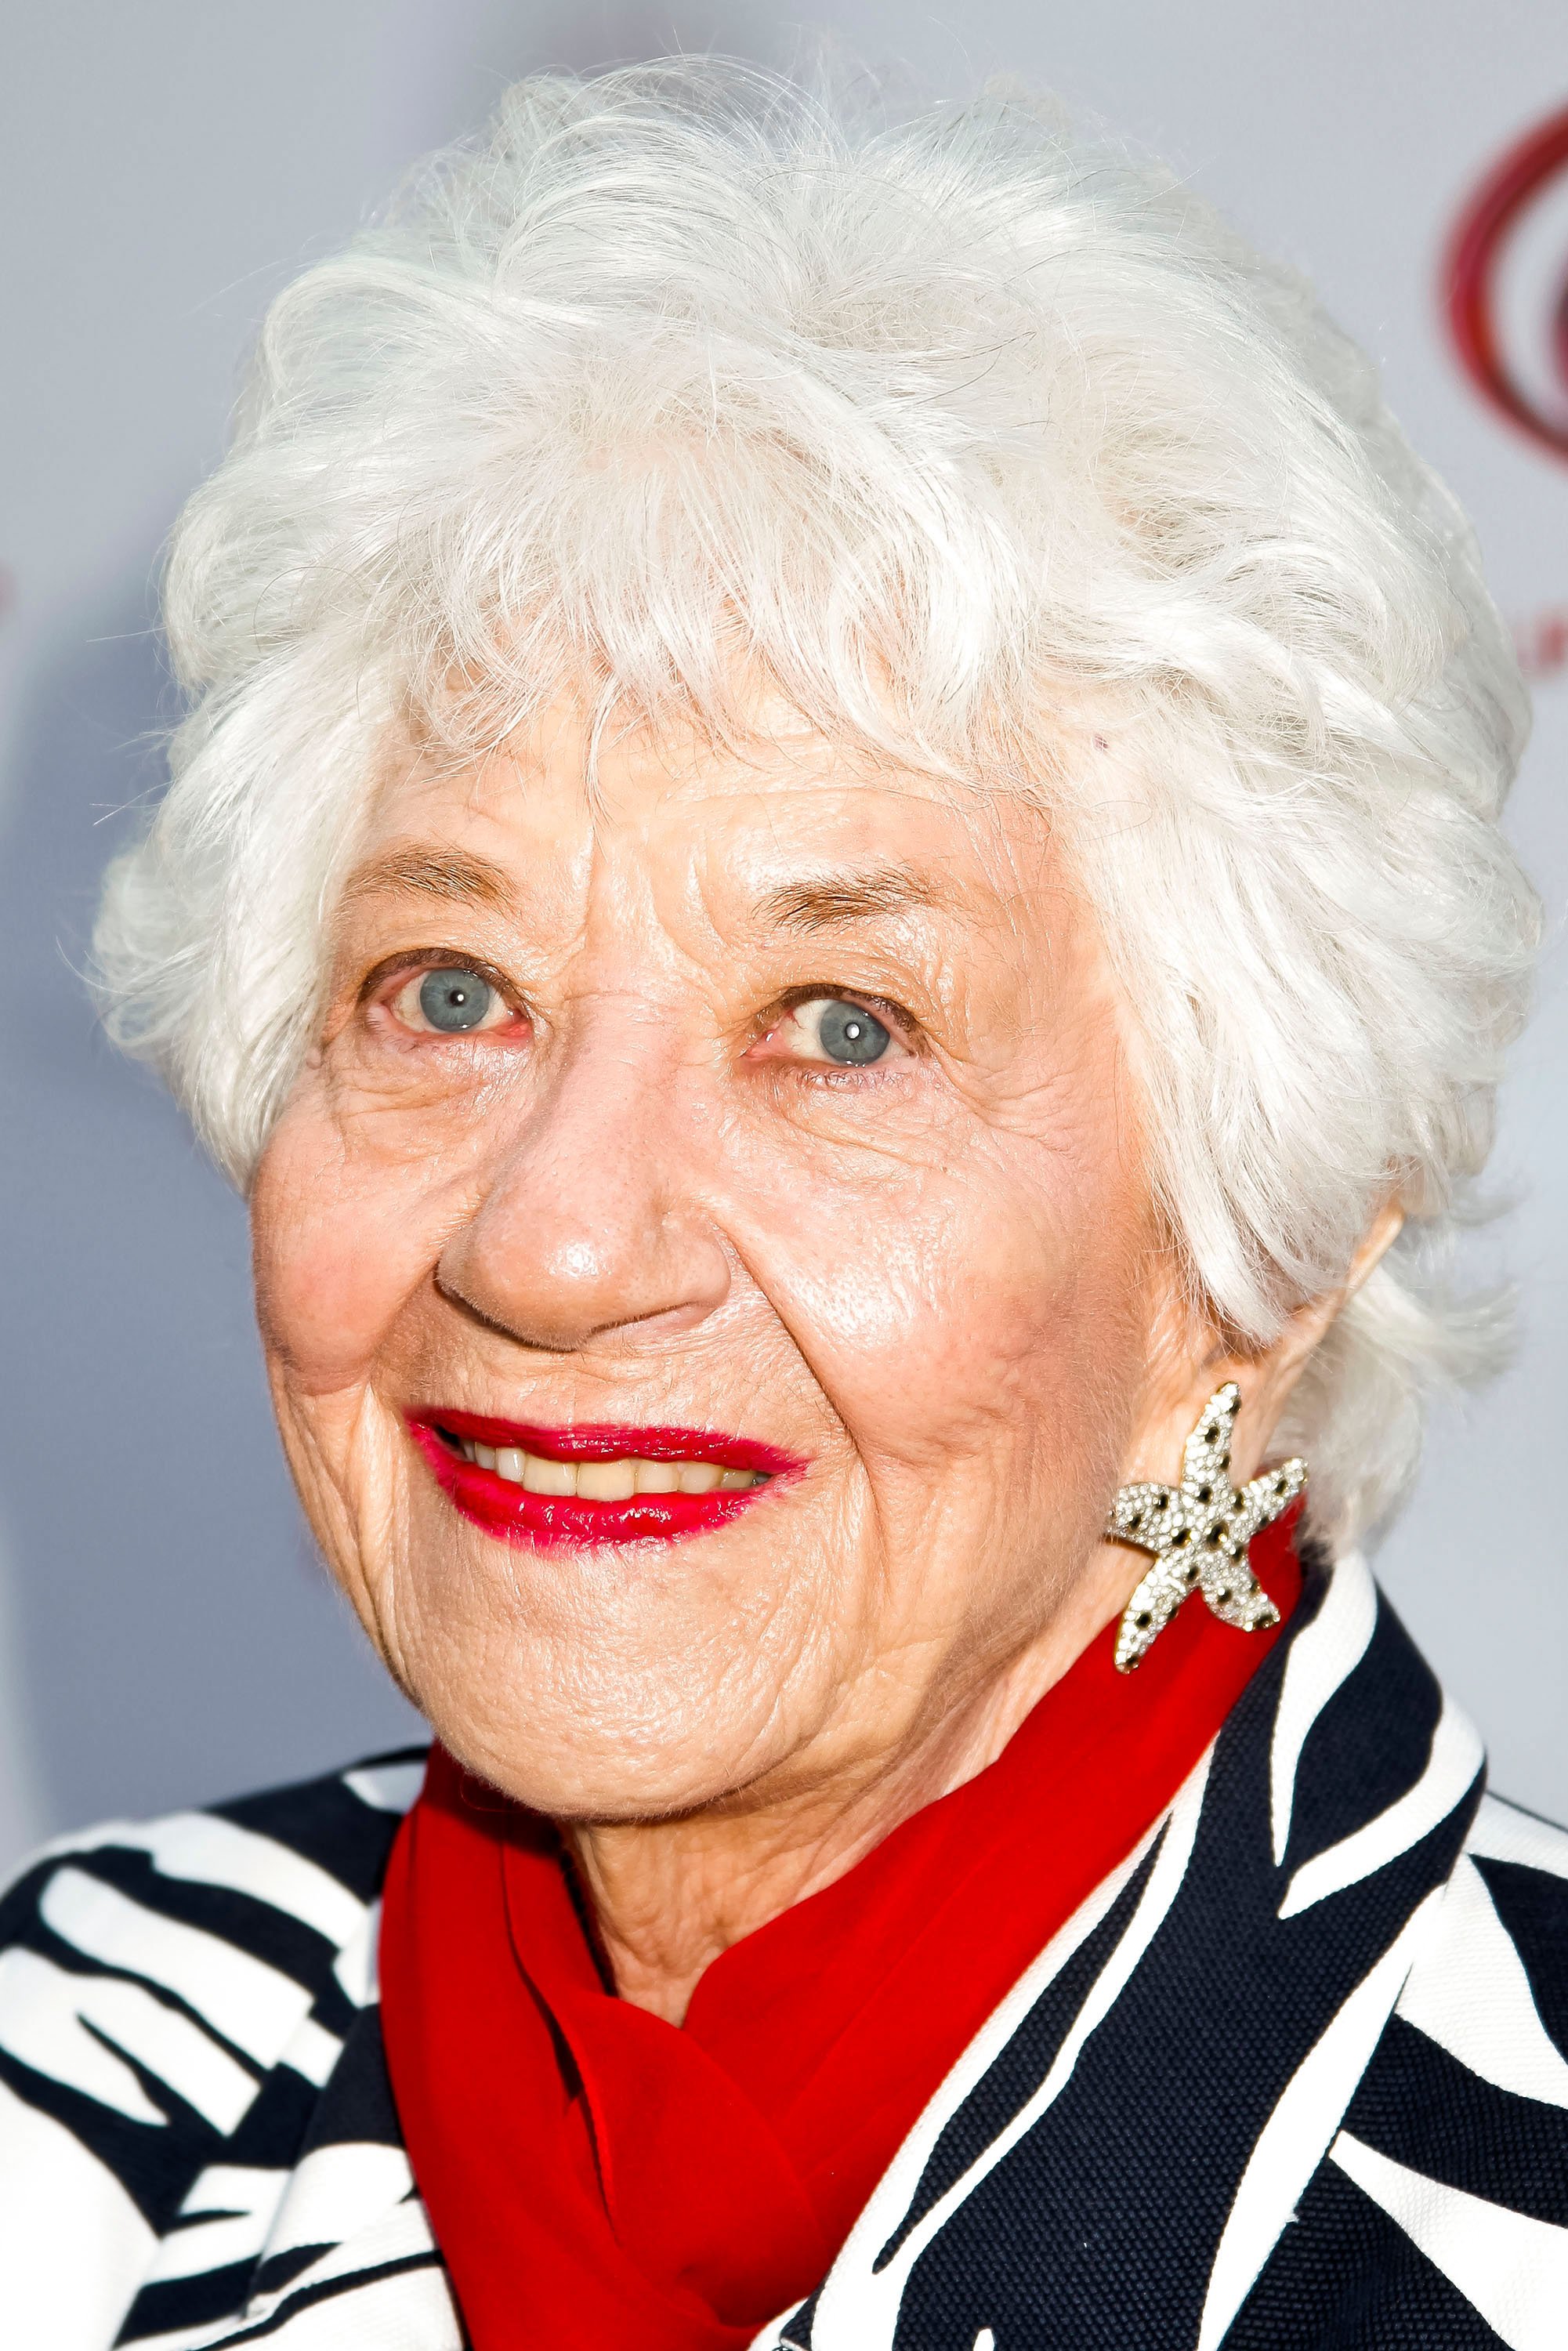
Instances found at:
x=849 y=1033
x=455 y=1000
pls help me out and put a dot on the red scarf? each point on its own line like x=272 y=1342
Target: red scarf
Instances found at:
x=598 y=2178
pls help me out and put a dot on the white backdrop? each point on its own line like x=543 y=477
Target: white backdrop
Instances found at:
x=165 y=1635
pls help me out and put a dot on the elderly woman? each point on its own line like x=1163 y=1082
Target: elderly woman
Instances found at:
x=835 y=880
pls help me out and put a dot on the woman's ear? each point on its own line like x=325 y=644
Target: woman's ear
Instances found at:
x=1186 y=1370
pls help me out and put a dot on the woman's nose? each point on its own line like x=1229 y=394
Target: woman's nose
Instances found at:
x=591 y=1225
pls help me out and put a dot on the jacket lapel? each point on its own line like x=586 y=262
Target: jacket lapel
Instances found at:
x=1118 y=2151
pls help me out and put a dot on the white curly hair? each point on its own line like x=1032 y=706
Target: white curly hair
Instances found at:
x=1000 y=454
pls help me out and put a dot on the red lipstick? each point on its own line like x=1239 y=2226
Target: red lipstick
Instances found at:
x=508 y=1509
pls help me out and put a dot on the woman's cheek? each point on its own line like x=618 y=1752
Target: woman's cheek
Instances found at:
x=904 y=1321
x=338 y=1248
x=978 y=1307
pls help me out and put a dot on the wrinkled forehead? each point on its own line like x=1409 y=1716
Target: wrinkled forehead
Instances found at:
x=811 y=827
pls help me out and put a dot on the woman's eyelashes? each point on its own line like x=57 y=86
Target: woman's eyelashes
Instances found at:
x=452 y=998
x=835 y=1033
x=448 y=999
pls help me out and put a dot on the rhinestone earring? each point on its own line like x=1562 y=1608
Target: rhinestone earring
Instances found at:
x=1199 y=1532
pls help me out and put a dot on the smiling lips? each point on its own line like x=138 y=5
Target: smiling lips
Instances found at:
x=595 y=1484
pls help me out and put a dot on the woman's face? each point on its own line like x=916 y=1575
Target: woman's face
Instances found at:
x=761 y=1116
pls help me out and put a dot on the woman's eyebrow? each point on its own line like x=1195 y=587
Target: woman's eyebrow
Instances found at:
x=825 y=900
x=455 y=875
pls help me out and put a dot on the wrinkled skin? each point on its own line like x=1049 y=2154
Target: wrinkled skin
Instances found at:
x=640 y=1196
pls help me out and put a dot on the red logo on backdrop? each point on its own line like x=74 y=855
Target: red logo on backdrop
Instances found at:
x=1477 y=249
x=1485 y=239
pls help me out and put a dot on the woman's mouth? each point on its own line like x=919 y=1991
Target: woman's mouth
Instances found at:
x=593 y=1484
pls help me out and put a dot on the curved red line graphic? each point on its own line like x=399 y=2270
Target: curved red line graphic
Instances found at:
x=1475 y=250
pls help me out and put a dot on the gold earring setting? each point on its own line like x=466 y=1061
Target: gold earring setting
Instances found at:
x=1199 y=1532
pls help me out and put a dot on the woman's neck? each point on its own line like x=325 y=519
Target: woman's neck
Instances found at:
x=669 y=1897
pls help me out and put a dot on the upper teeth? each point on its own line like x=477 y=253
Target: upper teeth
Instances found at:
x=606 y=1481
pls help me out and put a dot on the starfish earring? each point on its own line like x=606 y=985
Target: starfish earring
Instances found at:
x=1199 y=1533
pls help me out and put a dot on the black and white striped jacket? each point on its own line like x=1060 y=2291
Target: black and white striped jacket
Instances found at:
x=1296 y=2076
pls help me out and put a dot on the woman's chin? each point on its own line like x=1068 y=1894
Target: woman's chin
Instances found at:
x=590 y=1752
x=601 y=1781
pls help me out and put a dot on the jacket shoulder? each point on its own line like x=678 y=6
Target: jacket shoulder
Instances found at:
x=1451 y=2169
x=175 y=1994
x=308 y=1857
x=1507 y=1833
